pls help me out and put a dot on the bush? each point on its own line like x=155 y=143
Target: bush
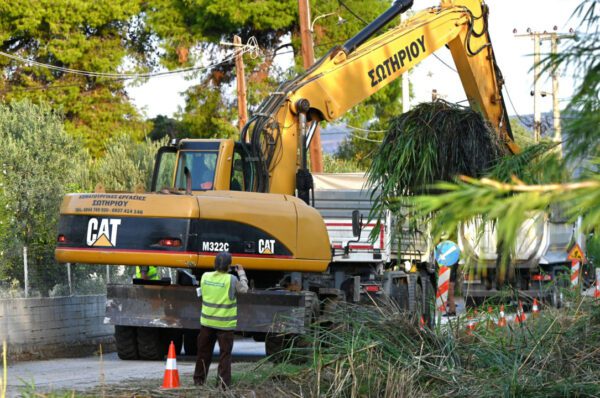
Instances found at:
x=40 y=163
x=127 y=164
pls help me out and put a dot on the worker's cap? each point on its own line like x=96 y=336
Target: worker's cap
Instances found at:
x=222 y=260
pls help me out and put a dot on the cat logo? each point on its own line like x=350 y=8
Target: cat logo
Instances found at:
x=102 y=233
x=266 y=246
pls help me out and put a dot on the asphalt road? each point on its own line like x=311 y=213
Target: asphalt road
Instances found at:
x=82 y=373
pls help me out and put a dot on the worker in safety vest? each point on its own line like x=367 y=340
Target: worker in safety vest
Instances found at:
x=219 y=317
x=147 y=273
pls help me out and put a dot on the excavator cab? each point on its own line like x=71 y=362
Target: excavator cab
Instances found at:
x=193 y=165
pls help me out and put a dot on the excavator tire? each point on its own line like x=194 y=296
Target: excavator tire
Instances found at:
x=150 y=344
x=126 y=341
x=288 y=347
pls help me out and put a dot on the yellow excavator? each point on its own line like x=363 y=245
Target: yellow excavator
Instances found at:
x=253 y=197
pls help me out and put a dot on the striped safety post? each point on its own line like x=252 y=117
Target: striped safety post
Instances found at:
x=597 y=286
x=441 y=297
x=575 y=273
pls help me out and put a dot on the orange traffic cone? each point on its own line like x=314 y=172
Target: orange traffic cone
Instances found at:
x=521 y=317
x=502 y=318
x=171 y=379
x=471 y=324
x=597 y=290
x=422 y=324
x=535 y=309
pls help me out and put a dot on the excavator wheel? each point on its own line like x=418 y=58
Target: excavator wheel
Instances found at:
x=126 y=341
x=150 y=344
x=282 y=347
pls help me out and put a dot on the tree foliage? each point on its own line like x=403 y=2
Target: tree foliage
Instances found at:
x=40 y=163
x=127 y=165
x=193 y=29
x=77 y=34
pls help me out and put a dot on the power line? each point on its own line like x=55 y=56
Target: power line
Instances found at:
x=442 y=61
x=365 y=138
x=513 y=105
x=365 y=130
x=352 y=12
x=121 y=76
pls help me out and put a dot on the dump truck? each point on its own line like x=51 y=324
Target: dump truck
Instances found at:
x=539 y=265
x=254 y=198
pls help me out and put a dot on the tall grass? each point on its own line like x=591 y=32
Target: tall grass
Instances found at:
x=381 y=352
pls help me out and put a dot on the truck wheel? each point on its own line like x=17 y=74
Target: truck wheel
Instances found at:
x=400 y=295
x=126 y=341
x=190 y=342
x=150 y=344
x=556 y=297
x=561 y=282
x=427 y=299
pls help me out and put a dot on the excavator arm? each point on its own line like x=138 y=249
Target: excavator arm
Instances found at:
x=364 y=65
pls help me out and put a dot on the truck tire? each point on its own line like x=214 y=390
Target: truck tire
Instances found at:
x=190 y=342
x=561 y=282
x=427 y=300
x=126 y=341
x=400 y=295
x=150 y=344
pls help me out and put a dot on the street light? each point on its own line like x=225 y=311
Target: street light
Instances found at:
x=312 y=24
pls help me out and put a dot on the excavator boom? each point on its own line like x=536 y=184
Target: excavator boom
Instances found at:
x=349 y=74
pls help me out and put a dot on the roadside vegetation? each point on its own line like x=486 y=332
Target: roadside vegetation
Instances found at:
x=382 y=352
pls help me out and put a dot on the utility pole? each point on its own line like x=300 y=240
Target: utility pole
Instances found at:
x=241 y=83
x=308 y=57
x=555 y=103
x=538 y=37
x=537 y=113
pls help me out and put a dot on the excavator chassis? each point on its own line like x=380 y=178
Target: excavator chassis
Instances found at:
x=259 y=311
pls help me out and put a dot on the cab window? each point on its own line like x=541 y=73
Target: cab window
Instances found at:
x=237 y=173
x=201 y=165
x=242 y=171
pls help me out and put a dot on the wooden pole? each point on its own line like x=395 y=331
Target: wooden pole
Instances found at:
x=537 y=113
x=25 y=271
x=308 y=57
x=555 y=103
x=241 y=83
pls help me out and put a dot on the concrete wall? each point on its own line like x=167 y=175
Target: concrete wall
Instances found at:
x=51 y=327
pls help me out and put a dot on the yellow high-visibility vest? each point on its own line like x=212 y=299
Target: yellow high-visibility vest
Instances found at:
x=219 y=310
x=152 y=273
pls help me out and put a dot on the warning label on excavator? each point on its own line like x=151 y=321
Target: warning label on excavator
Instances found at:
x=576 y=254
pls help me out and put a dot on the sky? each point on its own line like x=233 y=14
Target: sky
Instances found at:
x=162 y=95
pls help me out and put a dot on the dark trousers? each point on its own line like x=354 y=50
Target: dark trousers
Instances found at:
x=206 y=344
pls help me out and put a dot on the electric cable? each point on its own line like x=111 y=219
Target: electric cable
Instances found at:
x=248 y=48
x=340 y=2
x=513 y=105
